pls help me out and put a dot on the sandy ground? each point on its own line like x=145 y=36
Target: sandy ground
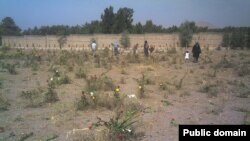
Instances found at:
x=183 y=105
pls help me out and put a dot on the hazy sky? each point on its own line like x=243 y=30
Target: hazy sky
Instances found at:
x=30 y=13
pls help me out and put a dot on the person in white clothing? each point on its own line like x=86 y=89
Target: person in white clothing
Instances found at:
x=93 y=47
x=186 y=56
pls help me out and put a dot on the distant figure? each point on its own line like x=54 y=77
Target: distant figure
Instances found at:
x=93 y=47
x=151 y=49
x=146 y=47
x=196 y=52
x=135 y=49
x=116 y=48
x=186 y=56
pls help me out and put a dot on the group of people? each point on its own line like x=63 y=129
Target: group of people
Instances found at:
x=196 y=50
x=115 y=47
x=147 y=50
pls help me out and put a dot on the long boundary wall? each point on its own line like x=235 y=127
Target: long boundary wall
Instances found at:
x=82 y=42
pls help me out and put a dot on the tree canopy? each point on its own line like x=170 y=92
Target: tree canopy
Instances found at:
x=187 y=29
x=9 y=27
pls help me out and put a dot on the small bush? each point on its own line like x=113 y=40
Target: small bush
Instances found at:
x=163 y=86
x=212 y=74
x=132 y=104
x=33 y=97
x=11 y=68
x=120 y=127
x=179 y=84
x=141 y=91
x=210 y=89
x=224 y=63
x=102 y=83
x=4 y=104
x=5 y=48
x=58 y=79
x=83 y=103
x=243 y=70
x=109 y=101
x=133 y=58
x=50 y=96
x=80 y=73
x=172 y=50
x=108 y=83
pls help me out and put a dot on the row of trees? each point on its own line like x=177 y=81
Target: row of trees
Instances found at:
x=121 y=22
x=236 y=37
x=111 y=22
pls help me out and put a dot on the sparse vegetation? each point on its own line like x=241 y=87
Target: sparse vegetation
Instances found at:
x=159 y=82
x=209 y=88
x=50 y=96
x=243 y=70
x=80 y=73
x=4 y=104
x=120 y=127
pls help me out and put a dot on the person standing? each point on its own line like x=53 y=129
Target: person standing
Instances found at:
x=186 y=56
x=196 y=52
x=146 y=47
x=93 y=47
x=116 y=48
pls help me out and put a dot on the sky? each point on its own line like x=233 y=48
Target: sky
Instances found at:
x=220 y=13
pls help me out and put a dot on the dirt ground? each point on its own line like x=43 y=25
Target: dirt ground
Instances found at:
x=213 y=91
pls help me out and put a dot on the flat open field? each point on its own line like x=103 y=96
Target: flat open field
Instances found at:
x=41 y=93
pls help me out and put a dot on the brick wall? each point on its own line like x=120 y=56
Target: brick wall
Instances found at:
x=160 y=41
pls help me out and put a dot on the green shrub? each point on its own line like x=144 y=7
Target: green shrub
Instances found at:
x=33 y=97
x=11 y=68
x=210 y=89
x=172 y=50
x=50 y=96
x=83 y=103
x=4 y=104
x=80 y=73
x=120 y=127
x=101 y=83
x=243 y=70
x=224 y=63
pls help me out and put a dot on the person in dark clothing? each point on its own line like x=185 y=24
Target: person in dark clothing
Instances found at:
x=146 y=47
x=196 y=51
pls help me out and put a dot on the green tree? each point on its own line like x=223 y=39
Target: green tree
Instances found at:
x=238 y=37
x=187 y=29
x=123 y=20
x=93 y=27
x=138 y=28
x=125 y=40
x=226 y=39
x=108 y=19
x=149 y=26
x=248 y=38
x=9 y=27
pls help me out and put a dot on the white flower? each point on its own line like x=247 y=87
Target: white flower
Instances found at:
x=132 y=96
x=91 y=93
x=51 y=79
x=129 y=130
